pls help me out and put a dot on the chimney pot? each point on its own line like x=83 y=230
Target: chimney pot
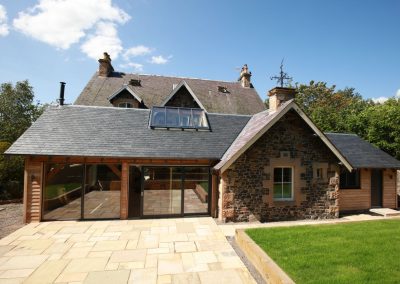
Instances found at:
x=279 y=95
x=244 y=78
x=105 y=67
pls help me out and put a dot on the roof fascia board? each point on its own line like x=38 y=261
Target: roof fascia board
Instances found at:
x=281 y=113
x=255 y=137
x=129 y=90
x=177 y=88
x=322 y=136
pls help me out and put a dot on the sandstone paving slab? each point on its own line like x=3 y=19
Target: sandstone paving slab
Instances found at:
x=86 y=265
x=170 y=264
x=185 y=246
x=110 y=245
x=186 y=278
x=14 y=273
x=143 y=276
x=47 y=272
x=179 y=250
x=71 y=277
x=230 y=276
x=114 y=277
x=22 y=262
x=128 y=255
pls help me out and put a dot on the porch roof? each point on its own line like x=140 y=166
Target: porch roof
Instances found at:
x=360 y=153
x=117 y=132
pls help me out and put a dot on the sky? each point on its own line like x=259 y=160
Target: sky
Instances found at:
x=347 y=43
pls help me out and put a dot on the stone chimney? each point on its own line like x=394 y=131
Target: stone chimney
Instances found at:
x=245 y=77
x=105 y=67
x=279 y=95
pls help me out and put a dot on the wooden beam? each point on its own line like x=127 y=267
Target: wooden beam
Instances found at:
x=115 y=170
x=214 y=196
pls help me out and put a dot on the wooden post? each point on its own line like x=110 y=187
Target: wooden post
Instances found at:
x=33 y=184
x=124 y=191
x=214 y=196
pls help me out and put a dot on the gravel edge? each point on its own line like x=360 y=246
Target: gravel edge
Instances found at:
x=253 y=271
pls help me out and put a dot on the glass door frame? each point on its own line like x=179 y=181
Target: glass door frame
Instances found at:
x=182 y=214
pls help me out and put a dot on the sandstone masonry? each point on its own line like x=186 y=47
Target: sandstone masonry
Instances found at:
x=247 y=185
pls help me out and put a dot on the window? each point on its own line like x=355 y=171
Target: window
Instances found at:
x=320 y=174
x=350 y=179
x=283 y=183
x=125 y=105
x=175 y=117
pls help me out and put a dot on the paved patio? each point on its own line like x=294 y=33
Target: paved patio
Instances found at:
x=184 y=250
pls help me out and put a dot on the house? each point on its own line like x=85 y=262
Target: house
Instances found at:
x=145 y=146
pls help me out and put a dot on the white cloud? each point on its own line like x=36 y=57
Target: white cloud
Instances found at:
x=62 y=23
x=380 y=100
x=135 y=51
x=136 y=66
x=3 y=21
x=159 y=59
x=105 y=39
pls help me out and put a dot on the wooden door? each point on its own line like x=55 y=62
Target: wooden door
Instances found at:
x=376 y=188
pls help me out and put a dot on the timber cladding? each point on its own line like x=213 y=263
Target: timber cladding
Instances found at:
x=389 y=189
x=32 y=191
x=360 y=198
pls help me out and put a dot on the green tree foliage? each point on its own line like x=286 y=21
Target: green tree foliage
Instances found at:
x=330 y=109
x=346 y=111
x=381 y=126
x=17 y=112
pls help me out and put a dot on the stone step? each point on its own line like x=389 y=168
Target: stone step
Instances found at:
x=386 y=212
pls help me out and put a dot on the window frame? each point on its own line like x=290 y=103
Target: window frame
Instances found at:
x=344 y=185
x=125 y=105
x=282 y=182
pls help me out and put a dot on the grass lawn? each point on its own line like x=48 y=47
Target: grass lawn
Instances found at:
x=362 y=252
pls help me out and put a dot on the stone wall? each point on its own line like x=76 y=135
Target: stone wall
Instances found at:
x=247 y=186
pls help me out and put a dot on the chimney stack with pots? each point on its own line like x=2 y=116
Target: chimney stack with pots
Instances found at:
x=105 y=67
x=244 y=78
x=279 y=95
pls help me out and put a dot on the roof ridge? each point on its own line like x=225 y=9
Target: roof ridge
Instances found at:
x=107 y=107
x=230 y=114
x=341 y=133
x=179 y=77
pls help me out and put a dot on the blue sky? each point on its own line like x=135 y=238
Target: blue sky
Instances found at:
x=347 y=43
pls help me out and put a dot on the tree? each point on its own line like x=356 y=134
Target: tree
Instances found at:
x=17 y=112
x=330 y=109
x=381 y=123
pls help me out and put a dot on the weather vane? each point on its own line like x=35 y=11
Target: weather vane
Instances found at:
x=282 y=77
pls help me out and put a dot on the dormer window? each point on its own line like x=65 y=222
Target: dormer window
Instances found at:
x=223 y=89
x=180 y=118
x=125 y=105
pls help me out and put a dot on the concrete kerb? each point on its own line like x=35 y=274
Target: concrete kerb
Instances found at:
x=268 y=269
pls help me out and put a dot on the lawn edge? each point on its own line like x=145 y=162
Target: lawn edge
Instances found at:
x=268 y=269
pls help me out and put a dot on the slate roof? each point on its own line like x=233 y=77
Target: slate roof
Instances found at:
x=155 y=89
x=119 y=132
x=360 y=153
x=259 y=124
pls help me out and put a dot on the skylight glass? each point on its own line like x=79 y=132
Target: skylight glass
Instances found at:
x=176 y=117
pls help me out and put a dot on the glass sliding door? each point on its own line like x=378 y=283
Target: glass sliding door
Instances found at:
x=62 y=191
x=102 y=191
x=162 y=191
x=196 y=190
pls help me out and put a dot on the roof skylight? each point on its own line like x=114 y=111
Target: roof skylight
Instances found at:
x=177 y=117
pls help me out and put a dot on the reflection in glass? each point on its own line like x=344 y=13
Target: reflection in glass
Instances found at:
x=162 y=191
x=62 y=191
x=196 y=190
x=102 y=191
